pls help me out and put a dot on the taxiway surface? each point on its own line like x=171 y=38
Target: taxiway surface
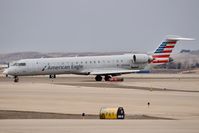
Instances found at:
x=173 y=96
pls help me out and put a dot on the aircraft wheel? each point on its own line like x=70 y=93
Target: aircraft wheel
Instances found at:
x=16 y=79
x=107 y=78
x=52 y=76
x=98 y=78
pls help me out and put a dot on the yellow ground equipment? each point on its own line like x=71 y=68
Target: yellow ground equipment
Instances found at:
x=112 y=113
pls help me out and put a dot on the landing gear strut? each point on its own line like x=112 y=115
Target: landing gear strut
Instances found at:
x=16 y=79
x=53 y=76
x=98 y=78
x=107 y=77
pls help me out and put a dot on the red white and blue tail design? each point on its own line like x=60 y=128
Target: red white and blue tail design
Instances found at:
x=163 y=52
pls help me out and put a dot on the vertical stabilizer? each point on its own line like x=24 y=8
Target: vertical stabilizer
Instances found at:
x=163 y=52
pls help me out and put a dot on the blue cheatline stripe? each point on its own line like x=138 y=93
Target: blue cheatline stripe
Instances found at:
x=164 y=43
x=162 y=46
x=159 y=50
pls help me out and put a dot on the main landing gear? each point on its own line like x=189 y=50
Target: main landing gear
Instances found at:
x=99 y=78
x=107 y=77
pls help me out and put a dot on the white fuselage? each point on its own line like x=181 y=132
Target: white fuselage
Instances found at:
x=106 y=66
x=74 y=65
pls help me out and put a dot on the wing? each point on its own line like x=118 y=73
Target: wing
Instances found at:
x=109 y=71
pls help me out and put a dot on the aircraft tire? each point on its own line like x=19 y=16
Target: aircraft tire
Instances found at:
x=52 y=76
x=98 y=78
x=16 y=79
x=107 y=77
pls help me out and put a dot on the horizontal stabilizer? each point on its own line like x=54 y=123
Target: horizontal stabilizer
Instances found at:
x=180 y=39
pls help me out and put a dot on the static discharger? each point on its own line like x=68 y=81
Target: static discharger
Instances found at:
x=112 y=113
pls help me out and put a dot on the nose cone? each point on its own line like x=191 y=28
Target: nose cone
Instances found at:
x=5 y=72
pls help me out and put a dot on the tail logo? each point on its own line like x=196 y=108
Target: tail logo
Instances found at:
x=162 y=53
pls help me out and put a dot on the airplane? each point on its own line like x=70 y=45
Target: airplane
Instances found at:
x=106 y=66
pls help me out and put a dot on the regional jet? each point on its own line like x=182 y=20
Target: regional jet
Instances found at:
x=100 y=66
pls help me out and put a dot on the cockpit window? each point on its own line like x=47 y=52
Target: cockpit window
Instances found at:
x=22 y=64
x=19 y=64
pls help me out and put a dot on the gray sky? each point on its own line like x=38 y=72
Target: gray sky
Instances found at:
x=95 y=25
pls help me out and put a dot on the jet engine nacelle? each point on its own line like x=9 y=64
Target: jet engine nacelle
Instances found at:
x=142 y=58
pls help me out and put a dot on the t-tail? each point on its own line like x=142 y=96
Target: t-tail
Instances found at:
x=163 y=52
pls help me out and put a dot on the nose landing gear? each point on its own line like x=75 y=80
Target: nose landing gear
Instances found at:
x=53 y=76
x=16 y=79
